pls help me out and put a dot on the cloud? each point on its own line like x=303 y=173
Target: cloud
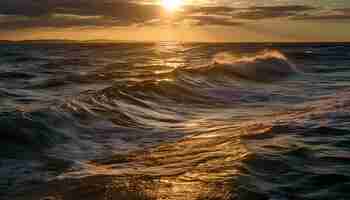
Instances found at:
x=19 y=14
x=331 y=15
x=55 y=21
x=112 y=8
x=50 y=13
x=69 y=13
x=214 y=21
x=214 y=10
x=343 y=10
x=200 y=20
x=257 y=13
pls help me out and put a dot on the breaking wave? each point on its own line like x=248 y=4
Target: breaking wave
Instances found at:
x=265 y=66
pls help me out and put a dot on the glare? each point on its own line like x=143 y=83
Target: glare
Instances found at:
x=172 y=5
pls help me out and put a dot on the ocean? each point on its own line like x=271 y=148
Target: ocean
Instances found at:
x=169 y=120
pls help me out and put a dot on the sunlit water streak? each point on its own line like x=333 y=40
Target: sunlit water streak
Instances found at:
x=175 y=121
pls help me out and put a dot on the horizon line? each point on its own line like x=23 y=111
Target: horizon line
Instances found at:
x=160 y=41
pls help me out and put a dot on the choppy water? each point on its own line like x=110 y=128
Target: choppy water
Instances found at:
x=175 y=121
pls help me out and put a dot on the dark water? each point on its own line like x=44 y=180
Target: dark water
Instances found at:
x=175 y=121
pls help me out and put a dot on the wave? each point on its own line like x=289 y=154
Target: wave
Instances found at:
x=268 y=65
x=265 y=66
x=201 y=87
x=243 y=153
x=205 y=111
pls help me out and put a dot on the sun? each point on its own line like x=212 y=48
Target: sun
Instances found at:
x=172 y=5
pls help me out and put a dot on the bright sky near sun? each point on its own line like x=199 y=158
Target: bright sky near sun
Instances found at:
x=180 y=20
x=172 y=5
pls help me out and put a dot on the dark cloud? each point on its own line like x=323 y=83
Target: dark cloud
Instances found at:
x=44 y=13
x=112 y=8
x=23 y=7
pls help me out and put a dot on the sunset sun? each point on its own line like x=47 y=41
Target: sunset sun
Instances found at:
x=172 y=5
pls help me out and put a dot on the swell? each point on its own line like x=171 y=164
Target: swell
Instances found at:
x=216 y=151
x=266 y=66
x=302 y=147
x=215 y=105
x=168 y=99
x=201 y=85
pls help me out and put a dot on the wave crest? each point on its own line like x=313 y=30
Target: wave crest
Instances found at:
x=265 y=66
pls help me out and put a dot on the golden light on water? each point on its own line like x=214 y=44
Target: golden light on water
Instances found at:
x=172 y=5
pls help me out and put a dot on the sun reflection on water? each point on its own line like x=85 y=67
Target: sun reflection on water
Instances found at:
x=192 y=168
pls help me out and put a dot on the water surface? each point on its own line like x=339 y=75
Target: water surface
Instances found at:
x=175 y=121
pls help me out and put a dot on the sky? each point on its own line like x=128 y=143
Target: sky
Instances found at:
x=177 y=20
